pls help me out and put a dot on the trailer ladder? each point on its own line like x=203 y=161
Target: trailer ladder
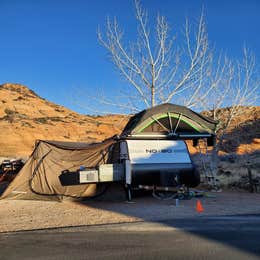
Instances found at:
x=206 y=161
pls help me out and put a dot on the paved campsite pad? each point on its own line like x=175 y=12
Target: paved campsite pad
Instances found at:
x=229 y=237
x=18 y=215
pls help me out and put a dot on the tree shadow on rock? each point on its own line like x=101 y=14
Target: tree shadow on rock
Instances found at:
x=244 y=134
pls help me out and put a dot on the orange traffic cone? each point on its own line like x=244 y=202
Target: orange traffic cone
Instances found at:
x=199 y=207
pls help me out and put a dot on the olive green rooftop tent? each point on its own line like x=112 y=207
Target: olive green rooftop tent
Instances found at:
x=40 y=176
x=171 y=120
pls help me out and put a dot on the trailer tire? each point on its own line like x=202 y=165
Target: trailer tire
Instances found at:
x=191 y=180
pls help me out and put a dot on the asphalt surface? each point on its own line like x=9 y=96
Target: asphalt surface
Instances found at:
x=226 y=237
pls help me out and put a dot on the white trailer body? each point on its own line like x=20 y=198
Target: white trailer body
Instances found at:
x=147 y=162
x=157 y=162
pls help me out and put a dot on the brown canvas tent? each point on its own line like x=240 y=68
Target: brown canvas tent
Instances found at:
x=39 y=178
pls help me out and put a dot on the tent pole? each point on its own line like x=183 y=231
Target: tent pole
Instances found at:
x=170 y=121
x=155 y=119
x=179 y=119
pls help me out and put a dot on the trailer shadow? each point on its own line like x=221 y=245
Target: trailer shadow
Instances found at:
x=239 y=231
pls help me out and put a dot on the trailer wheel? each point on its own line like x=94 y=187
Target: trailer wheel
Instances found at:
x=190 y=180
x=164 y=195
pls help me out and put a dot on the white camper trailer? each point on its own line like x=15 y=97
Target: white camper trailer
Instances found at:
x=151 y=152
x=148 y=164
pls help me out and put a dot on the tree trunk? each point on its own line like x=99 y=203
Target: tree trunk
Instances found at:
x=214 y=162
x=152 y=96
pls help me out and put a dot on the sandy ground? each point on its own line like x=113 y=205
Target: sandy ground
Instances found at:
x=18 y=215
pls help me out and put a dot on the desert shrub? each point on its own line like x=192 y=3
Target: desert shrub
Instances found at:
x=44 y=120
x=56 y=119
x=22 y=116
x=19 y=98
x=27 y=124
x=59 y=110
x=8 y=118
x=41 y=120
x=98 y=123
x=10 y=115
x=10 y=112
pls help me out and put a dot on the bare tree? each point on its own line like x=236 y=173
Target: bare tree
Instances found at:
x=162 y=67
x=154 y=65
x=233 y=84
x=160 y=71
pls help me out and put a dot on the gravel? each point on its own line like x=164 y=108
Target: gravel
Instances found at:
x=16 y=215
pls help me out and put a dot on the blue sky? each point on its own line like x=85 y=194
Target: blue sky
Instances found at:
x=51 y=45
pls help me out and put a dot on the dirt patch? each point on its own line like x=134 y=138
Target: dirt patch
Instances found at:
x=26 y=215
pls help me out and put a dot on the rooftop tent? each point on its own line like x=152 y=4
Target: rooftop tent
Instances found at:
x=40 y=174
x=168 y=118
